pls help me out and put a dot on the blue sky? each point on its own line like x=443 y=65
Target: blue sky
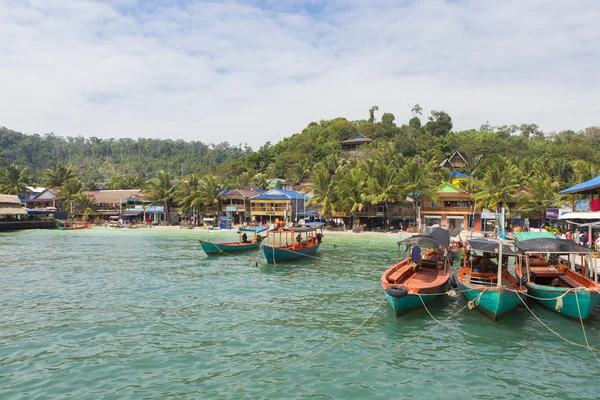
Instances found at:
x=257 y=71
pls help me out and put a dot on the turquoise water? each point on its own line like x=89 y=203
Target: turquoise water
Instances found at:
x=144 y=313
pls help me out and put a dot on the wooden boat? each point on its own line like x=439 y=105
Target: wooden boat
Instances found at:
x=555 y=285
x=243 y=243
x=487 y=283
x=69 y=225
x=283 y=244
x=416 y=280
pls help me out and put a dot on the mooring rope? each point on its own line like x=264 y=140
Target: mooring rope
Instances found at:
x=556 y=333
x=440 y=323
x=583 y=329
x=305 y=358
x=475 y=302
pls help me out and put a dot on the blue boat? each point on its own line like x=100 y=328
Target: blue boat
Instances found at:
x=216 y=248
x=557 y=286
x=285 y=244
x=486 y=283
x=419 y=279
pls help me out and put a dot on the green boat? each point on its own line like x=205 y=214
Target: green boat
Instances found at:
x=552 y=278
x=485 y=281
x=283 y=244
x=216 y=248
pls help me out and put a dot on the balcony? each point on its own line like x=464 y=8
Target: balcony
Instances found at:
x=446 y=209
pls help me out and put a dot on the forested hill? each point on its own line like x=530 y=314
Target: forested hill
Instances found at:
x=99 y=159
x=295 y=157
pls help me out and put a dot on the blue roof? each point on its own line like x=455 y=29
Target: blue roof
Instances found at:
x=225 y=218
x=279 y=194
x=256 y=229
x=455 y=174
x=585 y=186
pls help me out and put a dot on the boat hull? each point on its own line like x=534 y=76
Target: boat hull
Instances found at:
x=494 y=302
x=277 y=254
x=403 y=305
x=212 y=248
x=548 y=296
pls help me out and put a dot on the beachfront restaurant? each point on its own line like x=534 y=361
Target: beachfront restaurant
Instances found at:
x=585 y=203
x=453 y=209
x=111 y=203
x=236 y=204
x=14 y=216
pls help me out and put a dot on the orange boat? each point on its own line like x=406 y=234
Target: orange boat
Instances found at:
x=416 y=280
x=68 y=225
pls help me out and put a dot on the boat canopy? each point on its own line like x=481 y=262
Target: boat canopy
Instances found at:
x=254 y=229
x=432 y=238
x=490 y=246
x=315 y=224
x=533 y=235
x=547 y=245
x=224 y=218
x=302 y=229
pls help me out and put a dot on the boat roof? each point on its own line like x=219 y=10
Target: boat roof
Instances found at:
x=254 y=229
x=533 y=235
x=490 y=246
x=315 y=224
x=431 y=238
x=554 y=245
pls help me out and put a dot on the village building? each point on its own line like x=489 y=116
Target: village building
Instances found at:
x=236 y=204
x=111 y=203
x=453 y=209
x=47 y=199
x=275 y=203
x=352 y=144
x=14 y=216
x=455 y=161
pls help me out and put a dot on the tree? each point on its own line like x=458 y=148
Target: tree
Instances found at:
x=69 y=191
x=209 y=192
x=382 y=187
x=350 y=190
x=372 y=113
x=439 y=125
x=322 y=189
x=85 y=204
x=13 y=180
x=57 y=176
x=417 y=180
x=543 y=194
x=417 y=110
x=497 y=187
x=160 y=189
x=388 y=119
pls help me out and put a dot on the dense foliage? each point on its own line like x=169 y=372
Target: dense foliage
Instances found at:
x=509 y=164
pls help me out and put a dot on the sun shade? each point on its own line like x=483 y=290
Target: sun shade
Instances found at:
x=256 y=229
x=562 y=246
x=490 y=246
x=431 y=238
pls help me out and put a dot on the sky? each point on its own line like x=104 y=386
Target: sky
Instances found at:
x=261 y=70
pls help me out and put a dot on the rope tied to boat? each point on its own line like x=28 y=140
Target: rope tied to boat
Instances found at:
x=583 y=328
x=437 y=325
x=303 y=359
x=559 y=299
x=475 y=302
x=554 y=332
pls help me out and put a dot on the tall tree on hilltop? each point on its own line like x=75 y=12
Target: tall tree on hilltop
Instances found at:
x=13 y=180
x=440 y=124
x=372 y=113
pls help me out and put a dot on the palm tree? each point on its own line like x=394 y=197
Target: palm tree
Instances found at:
x=13 y=180
x=322 y=190
x=259 y=181
x=351 y=191
x=160 y=189
x=85 y=204
x=69 y=191
x=382 y=187
x=417 y=180
x=584 y=171
x=209 y=192
x=543 y=193
x=497 y=187
x=57 y=176
x=133 y=181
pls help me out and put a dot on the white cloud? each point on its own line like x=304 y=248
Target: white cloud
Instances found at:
x=262 y=70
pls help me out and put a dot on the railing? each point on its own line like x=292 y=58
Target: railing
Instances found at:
x=447 y=209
